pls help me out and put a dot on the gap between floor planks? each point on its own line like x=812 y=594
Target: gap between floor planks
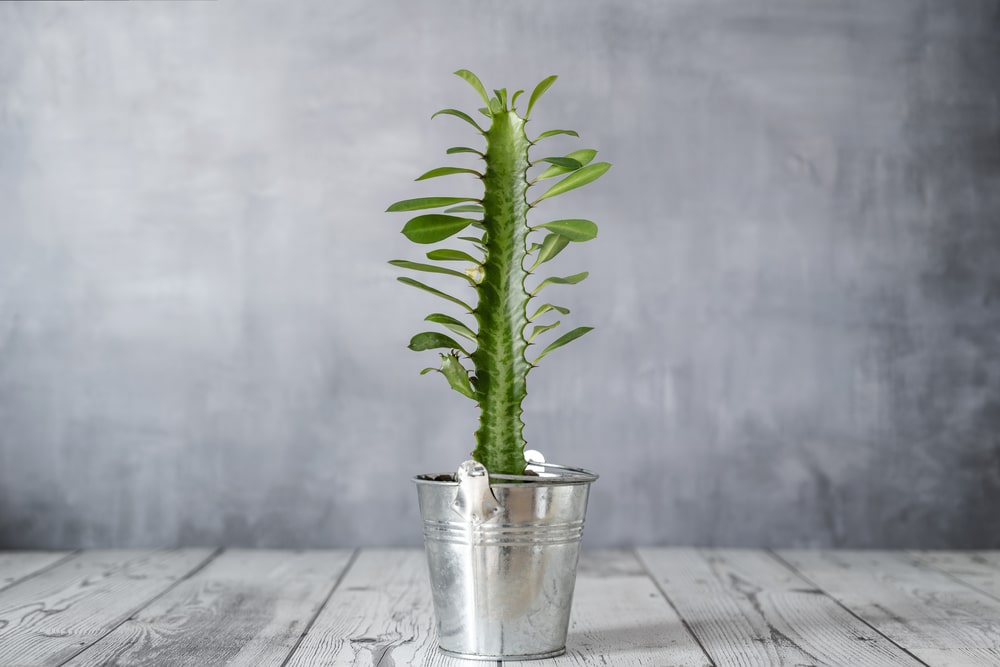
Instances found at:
x=940 y=617
x=747 y=608
x=261 y=599
x=15 y=567
x=52 y=615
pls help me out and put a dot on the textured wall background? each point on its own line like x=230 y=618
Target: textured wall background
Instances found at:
x=796 y=288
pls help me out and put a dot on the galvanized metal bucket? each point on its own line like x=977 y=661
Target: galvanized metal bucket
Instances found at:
x=502 y=552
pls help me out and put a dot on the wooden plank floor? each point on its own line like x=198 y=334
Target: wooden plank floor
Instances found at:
x=655 y=606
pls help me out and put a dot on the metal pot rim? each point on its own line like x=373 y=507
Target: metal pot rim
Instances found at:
x=563 y=475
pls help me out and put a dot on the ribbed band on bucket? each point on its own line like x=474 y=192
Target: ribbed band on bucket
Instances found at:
x=454 y=532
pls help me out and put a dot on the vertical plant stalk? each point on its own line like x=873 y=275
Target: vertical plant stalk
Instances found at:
x=498 y=382
x=500 y=379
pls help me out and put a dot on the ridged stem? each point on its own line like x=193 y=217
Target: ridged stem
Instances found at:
x=501 y=367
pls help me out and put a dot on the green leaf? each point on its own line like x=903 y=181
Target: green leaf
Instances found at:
x=552 y=245
x=463 y=149
x=502 y=97
x=426 y=202
x=583 y=156
x=542 y=328
x=574 y=230
x=432 y=340
x=562 y=340
x=552 y=133
x=446 y=255
x=567 y=163
x=428 y=370
x=456 y=375
x=538 y=92
x=473 y=239
x=466 y=208
x=447 y=171
x=575 y=180
x=496 y=107
x=452 y=324
x=434 y=227
x=429 y=268
x=474 y=81
x=568 y=280
x=546 y=308
x=513 y=100
x=459 y=114
x=419 y=285
x=485 y=111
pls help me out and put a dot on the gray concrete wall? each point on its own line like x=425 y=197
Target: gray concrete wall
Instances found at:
x=796 y=289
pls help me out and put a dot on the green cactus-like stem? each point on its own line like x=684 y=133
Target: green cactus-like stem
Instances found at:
x=501 y=367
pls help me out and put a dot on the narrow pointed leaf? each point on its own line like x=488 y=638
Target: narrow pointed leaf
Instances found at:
x=428 y=370
x=574 y=230
x=513 y=99
x=447 y=171
x=421 y=203
x=427 y=288
x=473 y=239
x=466 y=208
x=583 y=156
x=567 y=163
x=542 y=328
x=501 y=96
x=458 y=114
x=546 y=308
x=552 y=245
x=462 y=149
x=474 y=81
x=562 y=340
x=456 y=375
x=539 y=90
x=552 y=133
x=434 y=227
x=432 y=340
x=577 y=179
x=485 y=111
x=429 y=268
x=452 y=324
x=568 y=280
x=446 y=255
x=496 y=106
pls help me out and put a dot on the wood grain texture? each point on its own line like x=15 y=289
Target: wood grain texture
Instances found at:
x=15 y=566
x=56 y=614
x=245 y=608
x=722 y=607
x=746 y=608
x=596 y=563
x=620 y=619
x=380 y=614
x=980 y=569
x=940 y=620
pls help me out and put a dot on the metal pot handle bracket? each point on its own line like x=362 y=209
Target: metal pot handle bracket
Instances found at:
x=475 y=501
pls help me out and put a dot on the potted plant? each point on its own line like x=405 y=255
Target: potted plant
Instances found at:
x=502 y=534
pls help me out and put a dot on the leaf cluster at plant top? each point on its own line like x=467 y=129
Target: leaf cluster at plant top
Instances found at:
x=499 y=258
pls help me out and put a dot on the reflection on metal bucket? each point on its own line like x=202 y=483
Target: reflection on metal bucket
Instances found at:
x=502 y=552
